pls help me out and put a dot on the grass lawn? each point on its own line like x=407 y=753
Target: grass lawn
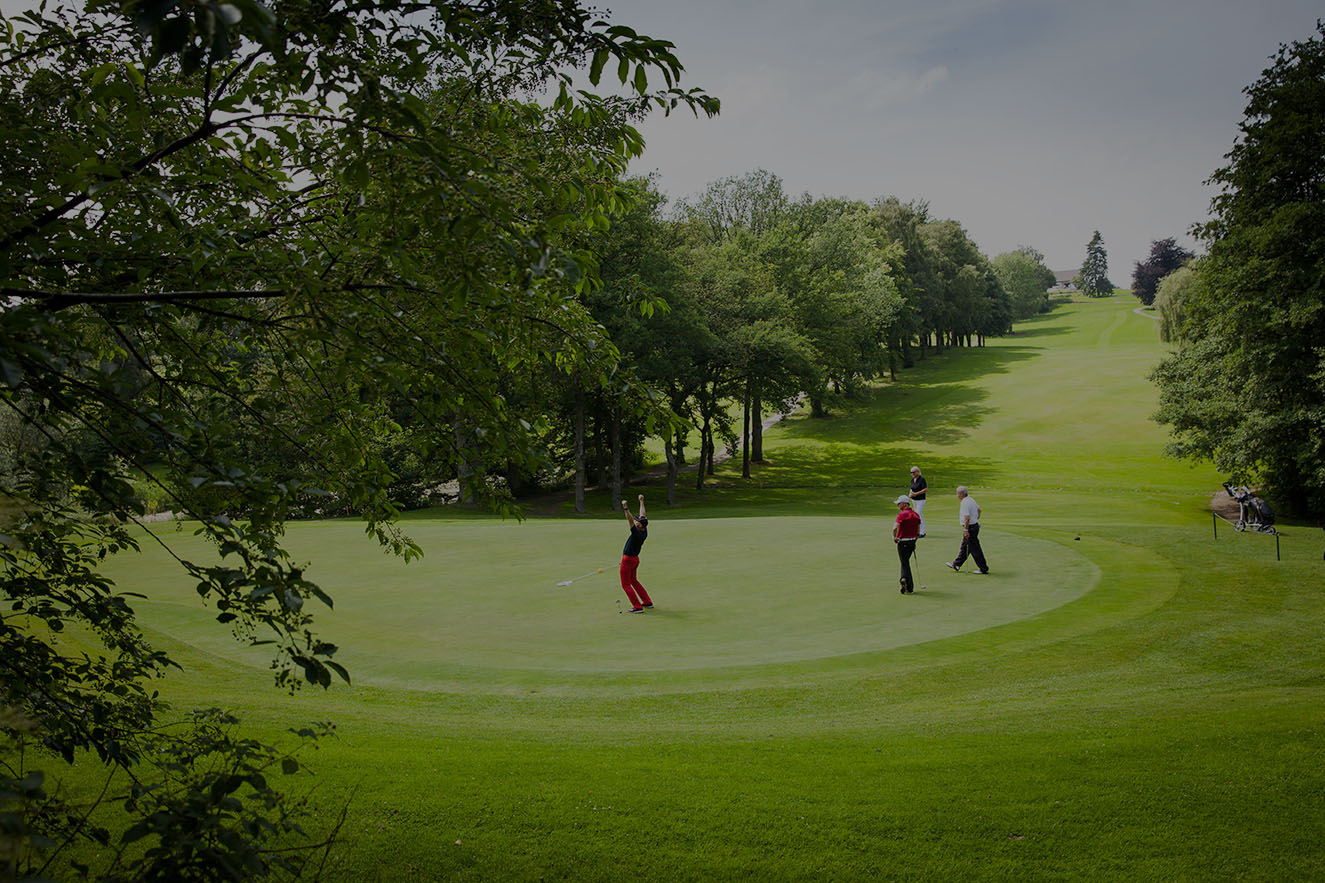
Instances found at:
x=1123 y=697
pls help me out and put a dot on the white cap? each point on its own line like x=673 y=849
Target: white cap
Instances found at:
x=899 y=500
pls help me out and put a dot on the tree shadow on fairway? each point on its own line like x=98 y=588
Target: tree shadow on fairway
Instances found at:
x=937 y=401
x=935 y=413
x=842 y=466
x=871 y=442
x=1056 y=321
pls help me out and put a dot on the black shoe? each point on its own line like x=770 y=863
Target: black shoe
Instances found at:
x=950 y=566
x=637 y=610
x=648 y=606
x=910 y=591
x=982 y=572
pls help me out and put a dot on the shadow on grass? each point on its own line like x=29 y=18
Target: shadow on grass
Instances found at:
x=842 y=466
x=873 y=441
x=867 y=446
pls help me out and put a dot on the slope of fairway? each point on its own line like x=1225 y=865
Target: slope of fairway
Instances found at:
x=1125 y=696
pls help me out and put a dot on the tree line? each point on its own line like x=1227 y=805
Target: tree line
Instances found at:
x=757 y=299
x=1245 y=385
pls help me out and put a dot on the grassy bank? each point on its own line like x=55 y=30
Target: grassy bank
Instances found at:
x=1122 y=696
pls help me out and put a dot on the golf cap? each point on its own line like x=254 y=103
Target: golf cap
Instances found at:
x=900 y=500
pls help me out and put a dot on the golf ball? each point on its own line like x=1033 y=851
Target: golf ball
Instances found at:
x=600 y=570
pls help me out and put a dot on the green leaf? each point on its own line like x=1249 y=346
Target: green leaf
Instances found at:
x=340 y=670
x=357 y=174
x=641 y=79
x=596 y=67
x=100 y=73
x=174 y=35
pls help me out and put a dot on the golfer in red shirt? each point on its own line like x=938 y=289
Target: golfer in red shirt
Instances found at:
x=906 y=530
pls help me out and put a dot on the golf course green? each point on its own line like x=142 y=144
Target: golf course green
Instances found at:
x=1124 y=696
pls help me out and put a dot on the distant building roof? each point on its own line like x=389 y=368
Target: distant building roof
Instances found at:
x=1065 y=277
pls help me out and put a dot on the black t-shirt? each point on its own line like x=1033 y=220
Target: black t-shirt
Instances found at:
x=636 y=542
x=918 y=486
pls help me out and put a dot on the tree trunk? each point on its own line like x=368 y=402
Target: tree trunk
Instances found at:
x=681 y=447
x=466 y=469
x=703 y=448
x=517 y=480
x=600 y=456
x=671 y=469
x=745 y=436
x=616 y=460
x=757 y=430
x=579 y=451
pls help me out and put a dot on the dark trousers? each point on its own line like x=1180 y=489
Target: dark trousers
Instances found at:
x=971 y=546
x=905 y=549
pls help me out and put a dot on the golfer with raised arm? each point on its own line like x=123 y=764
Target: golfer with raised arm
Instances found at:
x=639 y=532
x=969 y=517
x=906 y=530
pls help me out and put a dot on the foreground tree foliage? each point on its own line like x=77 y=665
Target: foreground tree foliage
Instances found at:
x=1246 y=386
x=239 y=245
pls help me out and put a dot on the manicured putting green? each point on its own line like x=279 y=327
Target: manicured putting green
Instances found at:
x=730 y=592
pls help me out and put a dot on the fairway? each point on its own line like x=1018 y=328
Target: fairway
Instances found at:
x=731 y=592
x=1122 y=697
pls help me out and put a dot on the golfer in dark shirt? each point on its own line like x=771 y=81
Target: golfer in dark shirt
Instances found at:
x=639 y=532
x=917 y=495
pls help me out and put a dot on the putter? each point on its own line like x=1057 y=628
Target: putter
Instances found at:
x=916 y=555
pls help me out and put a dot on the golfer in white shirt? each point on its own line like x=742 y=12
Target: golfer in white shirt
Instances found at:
x=969 y=517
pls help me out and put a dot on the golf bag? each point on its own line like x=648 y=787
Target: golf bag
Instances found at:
x=1253 y=512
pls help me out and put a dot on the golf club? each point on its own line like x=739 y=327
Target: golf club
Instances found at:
x=567 y=582
x=916 y=556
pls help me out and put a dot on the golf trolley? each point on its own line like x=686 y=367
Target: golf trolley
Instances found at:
x=1253 y=513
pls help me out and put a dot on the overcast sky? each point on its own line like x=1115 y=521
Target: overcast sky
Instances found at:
x=1030 y=122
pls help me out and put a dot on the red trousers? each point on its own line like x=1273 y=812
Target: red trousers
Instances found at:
x=630 y=582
